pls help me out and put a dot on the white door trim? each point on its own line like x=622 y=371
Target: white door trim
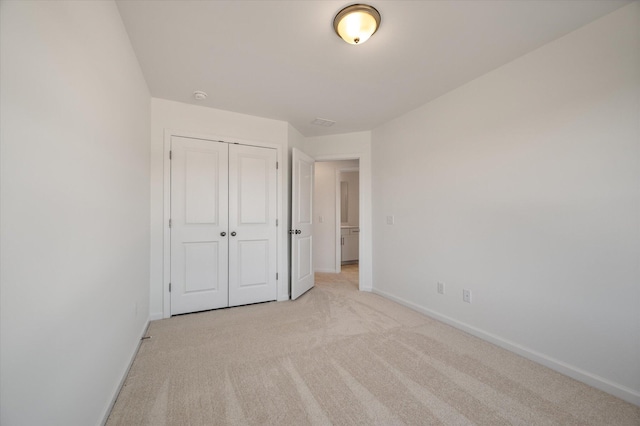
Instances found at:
x=282 y=258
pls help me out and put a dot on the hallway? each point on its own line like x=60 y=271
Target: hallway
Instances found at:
x=348 y=276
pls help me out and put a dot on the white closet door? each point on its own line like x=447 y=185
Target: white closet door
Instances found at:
x=252 y=225
x=199 y=225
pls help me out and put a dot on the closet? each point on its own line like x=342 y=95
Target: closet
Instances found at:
x=223 y=224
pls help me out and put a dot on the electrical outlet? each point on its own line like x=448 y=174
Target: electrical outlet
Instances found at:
x=321 y=219
x=466 y=296
x=391 y=220
x=440 y=287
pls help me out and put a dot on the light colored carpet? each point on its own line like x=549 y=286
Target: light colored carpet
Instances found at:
x=339 y=356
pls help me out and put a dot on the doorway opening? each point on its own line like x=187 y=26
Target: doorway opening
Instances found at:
x=336 y=212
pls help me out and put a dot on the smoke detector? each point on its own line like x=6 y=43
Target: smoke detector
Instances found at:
x=199 y=95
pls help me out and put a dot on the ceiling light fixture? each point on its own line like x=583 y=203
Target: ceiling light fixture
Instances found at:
x=356 y=23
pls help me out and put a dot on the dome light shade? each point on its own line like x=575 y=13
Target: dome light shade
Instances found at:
x=356 y=23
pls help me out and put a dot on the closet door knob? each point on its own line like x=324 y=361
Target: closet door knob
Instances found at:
x=233 y=234
x=222 y=234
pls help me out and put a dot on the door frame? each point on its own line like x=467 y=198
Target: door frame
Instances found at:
x=281 y=235
x=365 y=254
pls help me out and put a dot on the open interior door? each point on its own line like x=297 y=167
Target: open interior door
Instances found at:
x=302 y=278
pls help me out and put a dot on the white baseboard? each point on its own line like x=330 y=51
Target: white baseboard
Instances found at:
x=594 y=380
x=105 y=416
x=156 y=316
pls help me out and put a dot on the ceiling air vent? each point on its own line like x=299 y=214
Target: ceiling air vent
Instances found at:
x=323 y=122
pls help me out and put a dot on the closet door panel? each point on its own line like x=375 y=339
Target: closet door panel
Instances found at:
x=201 y=274
x=253 y=263
x=253 y=190
x=201 y=186
x=199 y=216
x=252 y=224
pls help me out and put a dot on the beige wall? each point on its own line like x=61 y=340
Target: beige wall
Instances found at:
x=75 y=210
x=523 y=186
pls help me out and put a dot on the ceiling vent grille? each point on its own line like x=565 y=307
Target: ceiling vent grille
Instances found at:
x=323 y=122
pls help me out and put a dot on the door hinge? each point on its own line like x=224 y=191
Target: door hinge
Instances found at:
x=277 y=165
x=276 y=222
x=170 y=154
x=169 y=287
x=276 y=276
x=169 y=223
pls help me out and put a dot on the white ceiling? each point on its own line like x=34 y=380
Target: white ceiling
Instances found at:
x=282 y=59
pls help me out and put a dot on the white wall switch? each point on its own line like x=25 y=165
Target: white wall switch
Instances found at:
x=466 y=296
x=440 y=287
x=391 y=220
x=320 y=219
